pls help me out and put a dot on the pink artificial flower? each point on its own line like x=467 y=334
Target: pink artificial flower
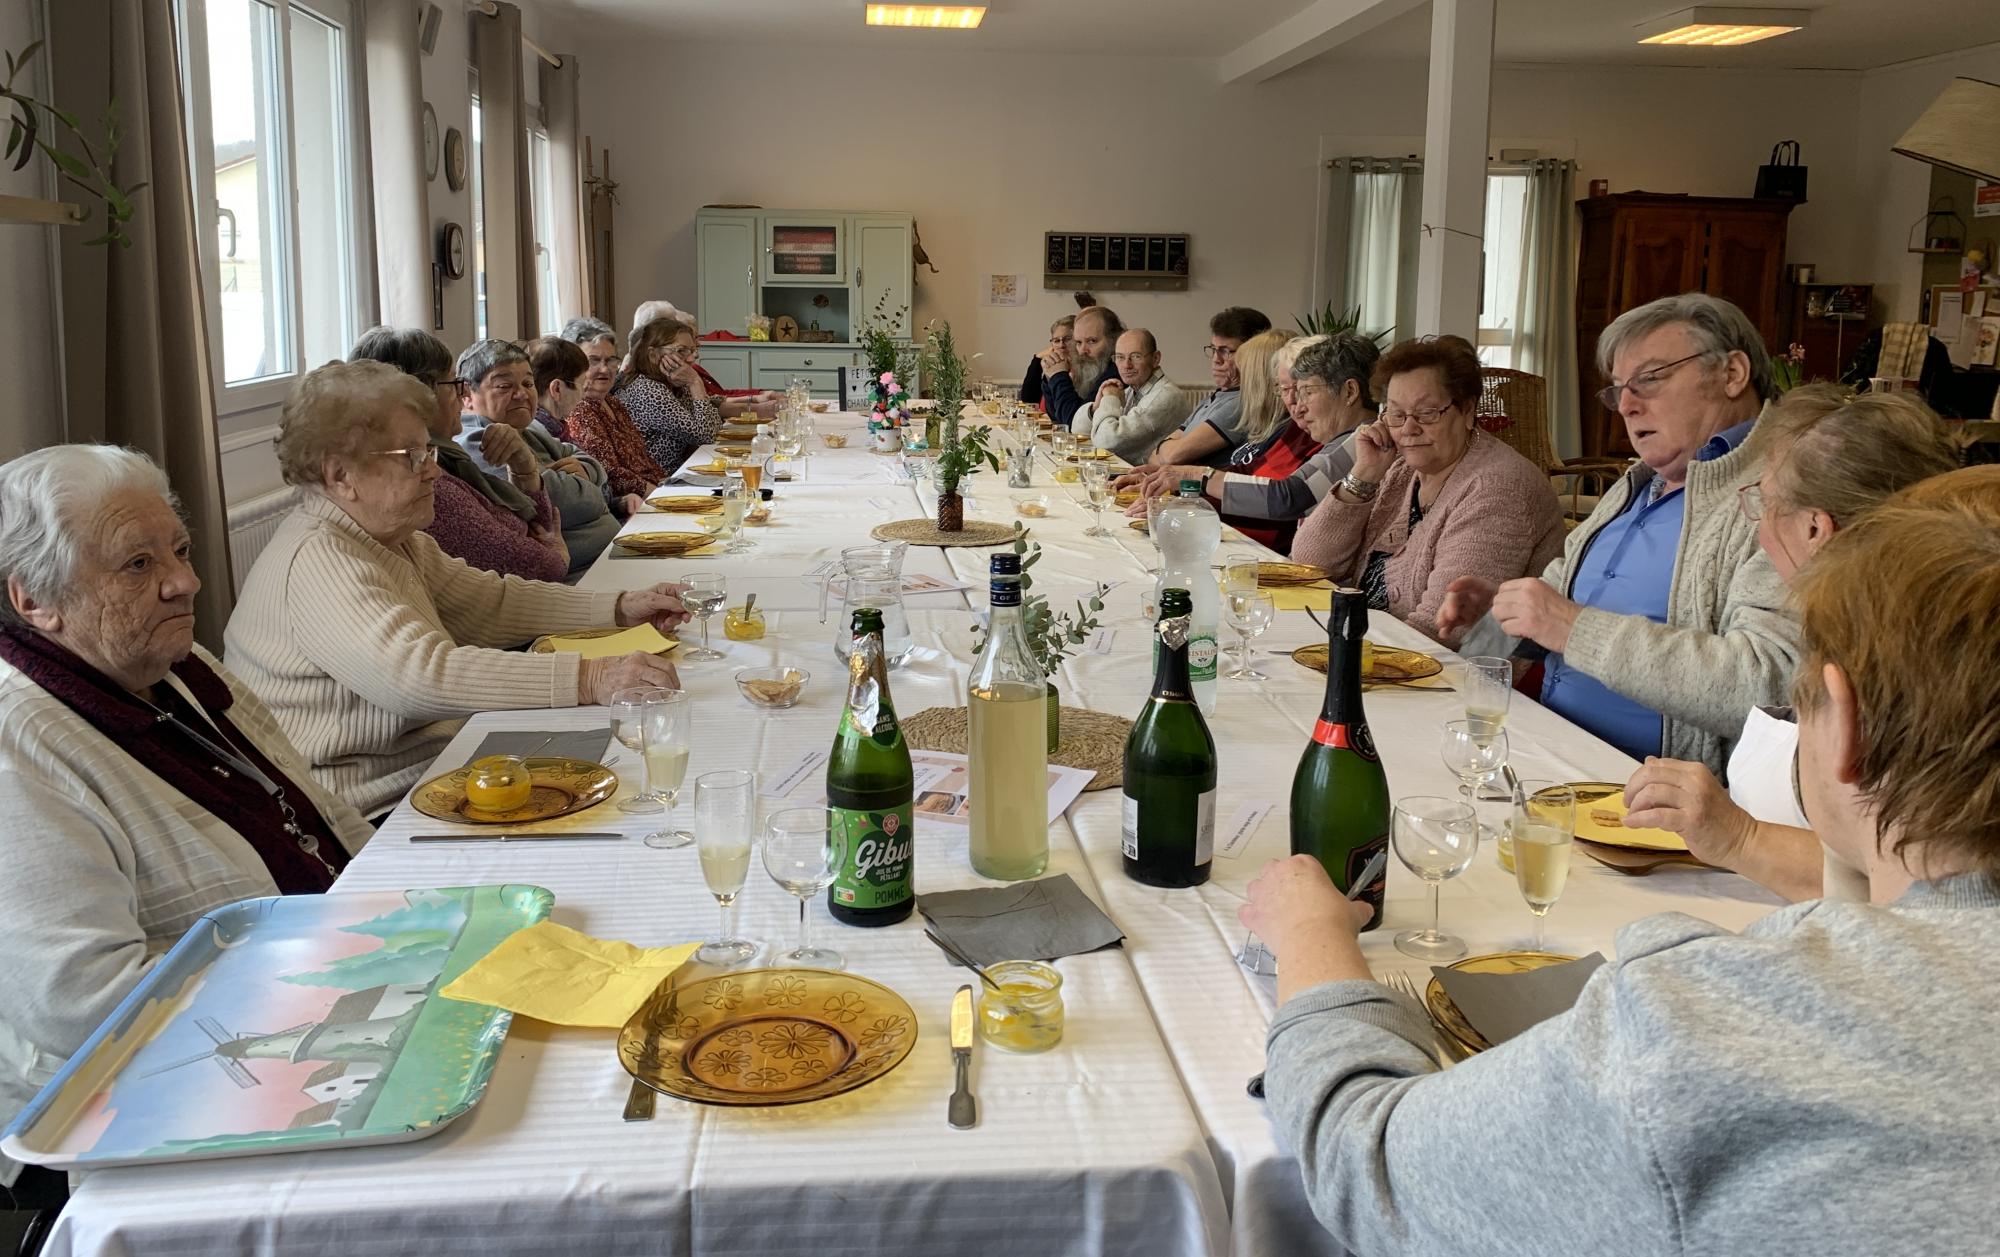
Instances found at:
x=888 y=377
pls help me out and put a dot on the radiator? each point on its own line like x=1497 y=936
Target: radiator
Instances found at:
x=251 y=525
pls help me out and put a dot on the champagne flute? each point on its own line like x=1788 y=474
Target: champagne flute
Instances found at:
x=1436 y=839
x=1544 y=829
x=704 y=595
x=664 y=724
x=725 y=818
x=1097 y=483
x=628 y=709
x=803 y=854
x=735 y=501
x=1250 y=612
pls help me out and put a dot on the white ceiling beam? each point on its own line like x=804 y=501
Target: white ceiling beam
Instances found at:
x=1322 y=25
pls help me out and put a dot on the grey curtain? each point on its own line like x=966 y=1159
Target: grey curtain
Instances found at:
x=1368 y=239
x=512 y=311
x=1544 y=315
x=395 y=168
x=565 y=230
x=135 y=344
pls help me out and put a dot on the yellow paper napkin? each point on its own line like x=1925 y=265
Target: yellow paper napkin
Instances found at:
x=555 y=974
x=1300 y=598
x=643 y=638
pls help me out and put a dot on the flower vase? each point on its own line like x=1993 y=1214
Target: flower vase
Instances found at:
x=931 y=423
x=951 y=512
x=1055 y=718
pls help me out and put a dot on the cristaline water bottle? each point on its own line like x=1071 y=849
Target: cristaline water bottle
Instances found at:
x=1340 y=795
x=1187 y=530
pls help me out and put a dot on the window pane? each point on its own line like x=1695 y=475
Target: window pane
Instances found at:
x=478 y=225
x=326 y=229
x=1506 y=221
x=543 y=174
x=249 y=172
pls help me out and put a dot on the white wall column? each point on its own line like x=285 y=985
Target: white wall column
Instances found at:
x=1455 y=133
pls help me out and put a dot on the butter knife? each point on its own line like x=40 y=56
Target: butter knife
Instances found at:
x=550 y=837
x=964 y=1111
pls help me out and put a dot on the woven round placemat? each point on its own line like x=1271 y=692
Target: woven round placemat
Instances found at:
x=1091 y=740
x=924 y=532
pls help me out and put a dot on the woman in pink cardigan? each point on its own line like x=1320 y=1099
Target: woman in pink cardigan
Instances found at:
x=1431 y=498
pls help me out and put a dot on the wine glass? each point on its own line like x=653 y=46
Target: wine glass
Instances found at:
x=1250 y=612
x=628 y=707
x=802 y=853
x=736 y=499
x=1097 y=483
x=1543 y=827
x=1435 y=839
x=703 y=596
x=664 y=724
x=725 y=818
x=1473 y=755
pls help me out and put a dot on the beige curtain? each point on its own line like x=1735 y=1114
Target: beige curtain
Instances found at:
x=565 y=232
x=394 y=135
x=512 y=311
x=1544 y=315
x=135 y=346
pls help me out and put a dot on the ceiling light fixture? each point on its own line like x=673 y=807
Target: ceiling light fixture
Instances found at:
x=1710 y=26
x=956 y=17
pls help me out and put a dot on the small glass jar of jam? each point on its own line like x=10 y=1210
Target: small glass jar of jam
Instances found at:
x=743 y=624
x=1026 y=1013
x=499 y=783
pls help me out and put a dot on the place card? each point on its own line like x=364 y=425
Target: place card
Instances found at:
x=1237 y=833
x=795 y=776
x=1099 y=642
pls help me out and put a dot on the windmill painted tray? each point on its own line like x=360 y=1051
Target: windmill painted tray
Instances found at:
x=287 y=1024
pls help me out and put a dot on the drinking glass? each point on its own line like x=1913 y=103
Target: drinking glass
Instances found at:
x=1250 y=612
x=725 y=821
x=1489 y=687
x=1543 y=827
x=664 y=724
x=1435 y=839
x=736 y=499
x=704 y=596
x=628 y=707
x=802 y=853
x=1097 y=483
x=1473 y=755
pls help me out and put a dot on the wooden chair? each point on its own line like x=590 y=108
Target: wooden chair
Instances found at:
x=1524 y=399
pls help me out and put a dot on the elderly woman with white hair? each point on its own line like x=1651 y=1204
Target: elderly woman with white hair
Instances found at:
x=599 y=424
x=734 y=403
x=146 y=785
x=368 y=643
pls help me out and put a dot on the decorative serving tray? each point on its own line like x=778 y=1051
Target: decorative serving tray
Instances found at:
x=285 y=1024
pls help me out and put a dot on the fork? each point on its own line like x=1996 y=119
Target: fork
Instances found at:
x=1401 y=984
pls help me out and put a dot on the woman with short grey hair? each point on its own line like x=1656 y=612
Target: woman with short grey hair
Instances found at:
x=599 y=424
x=146 y=785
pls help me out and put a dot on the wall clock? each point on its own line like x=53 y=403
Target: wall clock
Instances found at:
x=454 y=159
x=451 y=250
x=430 y=143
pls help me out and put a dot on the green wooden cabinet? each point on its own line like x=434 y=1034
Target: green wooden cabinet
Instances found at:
x=726 y=260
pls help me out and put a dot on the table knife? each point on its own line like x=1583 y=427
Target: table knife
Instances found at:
x=964 y=1110
x=554 y=837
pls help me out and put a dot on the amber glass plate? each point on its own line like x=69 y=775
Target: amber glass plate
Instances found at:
x=687 y=504
x=1287 y=575
x=546 y=644
x=1125 y=497
x=563 y=787
x=663 y=543
x=767 y=1036
x=733 y=451
x=1386 y=664
x=1600 y=817
x=1452 y=1023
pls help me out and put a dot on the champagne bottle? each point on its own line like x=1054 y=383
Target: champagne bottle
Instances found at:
x=1340 y=796
x=1169 y=828
x=869 y=790
x=1008 y=749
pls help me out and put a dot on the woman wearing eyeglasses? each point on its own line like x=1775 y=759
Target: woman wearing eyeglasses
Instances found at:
x=669 y=404
x=1431 y=498
x=366 y=641
x=507 y=526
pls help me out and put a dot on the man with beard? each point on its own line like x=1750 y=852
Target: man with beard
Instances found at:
x=1070 y=376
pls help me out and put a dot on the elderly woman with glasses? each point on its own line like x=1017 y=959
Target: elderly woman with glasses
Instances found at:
x=671 y=407
x=1662 y=622
x=367 y=642
x=144 y=785
x=503 y=525
x=1431 y=499
x=599 y=424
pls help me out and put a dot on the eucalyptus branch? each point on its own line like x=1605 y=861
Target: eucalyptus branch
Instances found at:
x=1052 y=636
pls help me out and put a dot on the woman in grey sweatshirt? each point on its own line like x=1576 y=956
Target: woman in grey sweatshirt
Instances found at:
x=1822 y=1083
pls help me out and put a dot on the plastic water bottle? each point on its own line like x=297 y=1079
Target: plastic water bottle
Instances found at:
x=1187 y=530
x=763 y=445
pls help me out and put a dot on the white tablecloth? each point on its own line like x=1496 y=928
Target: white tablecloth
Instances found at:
x=1129 y=1137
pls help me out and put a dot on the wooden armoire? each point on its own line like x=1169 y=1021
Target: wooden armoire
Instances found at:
x=1637 y=246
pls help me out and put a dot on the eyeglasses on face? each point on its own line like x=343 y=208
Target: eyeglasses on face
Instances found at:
x=1129 y=360
x=1219 y=353
x=1750 y=500
x=413 y=458
x=1427 y=416
x=1644 y=385
x=455 y=384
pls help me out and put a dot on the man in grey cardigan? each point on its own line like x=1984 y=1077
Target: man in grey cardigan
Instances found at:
x=1662 y=622
x=1137 y=406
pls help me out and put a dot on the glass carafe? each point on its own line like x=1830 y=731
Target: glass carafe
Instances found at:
x=869 y=576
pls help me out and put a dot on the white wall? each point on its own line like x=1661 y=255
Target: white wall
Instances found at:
x=991 y=151
x=33 y=416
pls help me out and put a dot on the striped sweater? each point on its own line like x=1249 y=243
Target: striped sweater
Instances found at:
x=371 y=656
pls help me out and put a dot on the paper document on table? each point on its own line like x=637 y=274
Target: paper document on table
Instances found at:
x=643 y=639
x=1237 y=833
x=1099 y=641
x=944 y=787
x=915 y=583
x=795 y=776
x=555 y=974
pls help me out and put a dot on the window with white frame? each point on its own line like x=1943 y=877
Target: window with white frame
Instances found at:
x=271 y=112
x=479 y=321
x=541 y=178
x=1506 y=221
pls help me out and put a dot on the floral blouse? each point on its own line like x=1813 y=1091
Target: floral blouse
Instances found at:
x=604 y=430
x=671 y=426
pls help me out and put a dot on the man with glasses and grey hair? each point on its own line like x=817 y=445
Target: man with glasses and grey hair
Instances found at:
x=1136 y=406
x=1662 y=622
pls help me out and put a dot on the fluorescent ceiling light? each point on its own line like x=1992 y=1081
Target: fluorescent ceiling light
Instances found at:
x=957 y=17
x=1709 y=26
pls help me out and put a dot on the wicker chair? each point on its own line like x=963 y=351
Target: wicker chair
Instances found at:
x=1524 y=398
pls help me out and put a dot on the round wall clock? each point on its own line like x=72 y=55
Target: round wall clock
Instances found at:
x=454 y=159
x=451 y=250
x=430 y=142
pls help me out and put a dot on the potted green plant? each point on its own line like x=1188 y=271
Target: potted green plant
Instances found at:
x=89 y=168
x=959 y=453
x=1330 y=320
x=1052 y=635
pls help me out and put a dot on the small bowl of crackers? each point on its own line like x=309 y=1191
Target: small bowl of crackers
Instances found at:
x=835 y=440
x=775 y=688
x=1036 y=507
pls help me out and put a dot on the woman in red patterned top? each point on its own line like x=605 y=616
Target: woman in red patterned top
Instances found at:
x=669 y=405
x=600 y=425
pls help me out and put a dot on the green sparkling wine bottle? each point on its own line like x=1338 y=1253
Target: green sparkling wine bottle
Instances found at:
x=869 y=790
x=1340 y=795
x=1169 y=828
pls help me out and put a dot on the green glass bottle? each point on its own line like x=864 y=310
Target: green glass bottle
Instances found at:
x=1169 y=828
x=1340 y=795
x=869 y=789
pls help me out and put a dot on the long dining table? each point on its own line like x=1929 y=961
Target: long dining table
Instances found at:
x=1135 y=1135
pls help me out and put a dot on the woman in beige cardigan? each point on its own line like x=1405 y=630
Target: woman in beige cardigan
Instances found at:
x=368 y=643
x=1431 y=498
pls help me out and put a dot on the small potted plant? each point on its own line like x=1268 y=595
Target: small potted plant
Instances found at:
x=889 y=367
x=960 y=453
x=1051 y=635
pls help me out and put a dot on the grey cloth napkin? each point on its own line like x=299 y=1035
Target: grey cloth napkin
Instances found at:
x=583 y=744
x=1039 y=920
x=1502 y=1005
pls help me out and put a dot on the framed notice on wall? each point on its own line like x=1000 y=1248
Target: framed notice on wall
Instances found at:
x=1072 y=259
